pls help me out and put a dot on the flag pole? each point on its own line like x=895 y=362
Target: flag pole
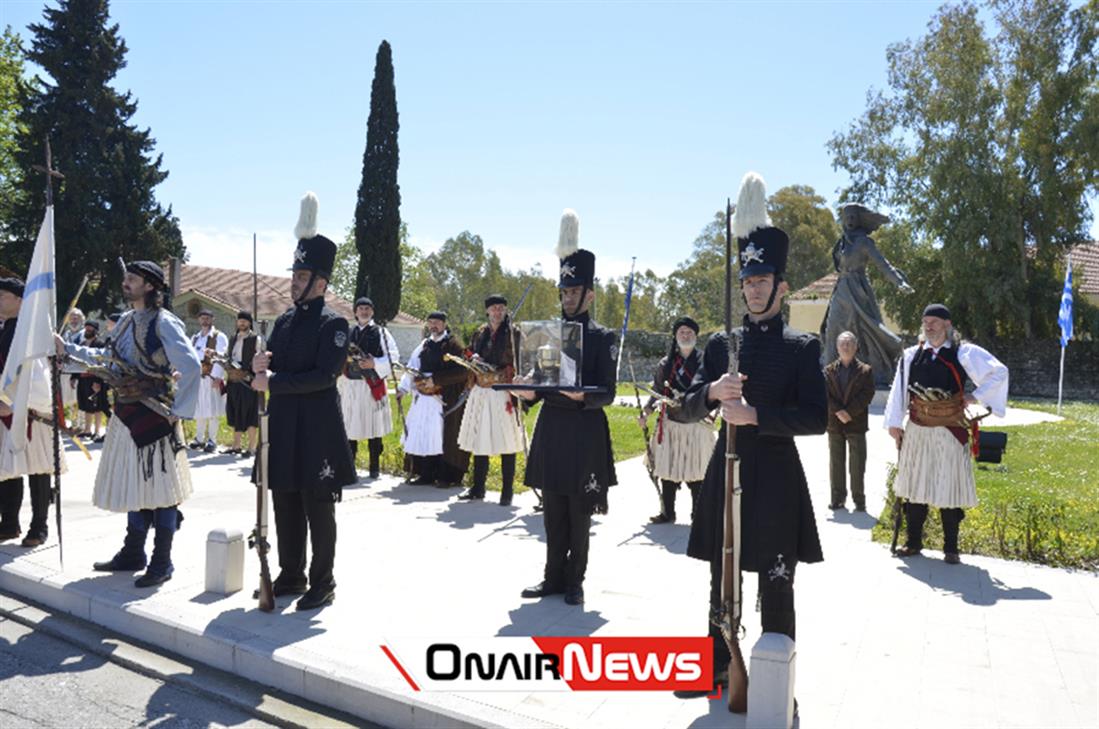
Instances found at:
x=1061 y=380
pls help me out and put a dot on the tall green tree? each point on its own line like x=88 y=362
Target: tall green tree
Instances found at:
x=13 y=93
x=986 y=143
x=697 y=285
x=105 y=207
x=464 y=272
x=812 y=228
x=378 y=210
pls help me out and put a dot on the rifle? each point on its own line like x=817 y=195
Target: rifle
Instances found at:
x=518 y=405
x=730 y=609
x=258 y=538
x=649 y=462
x=397 y=396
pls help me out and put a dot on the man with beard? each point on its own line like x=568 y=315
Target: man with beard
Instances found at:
x=571 y=458
x=435 y=415
x=211 y=400
x=777 y=393
x=489 y=426
x=681 y=445
x=143 y=469
x=240 y=398
x=35 y=461
x=309 y=462
x=934 y=467
x=364 y=394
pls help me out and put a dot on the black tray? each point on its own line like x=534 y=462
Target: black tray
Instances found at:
x=549 y=388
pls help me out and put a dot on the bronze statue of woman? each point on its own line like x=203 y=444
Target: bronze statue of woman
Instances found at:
x=853 y=306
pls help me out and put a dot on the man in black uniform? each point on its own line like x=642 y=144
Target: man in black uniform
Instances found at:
x=240 y=399
x=309 y=462
x=778 y=394
x=570 y=453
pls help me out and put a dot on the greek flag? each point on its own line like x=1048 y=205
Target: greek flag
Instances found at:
x=1064 y=318
x=626 y=315
x=25 y=382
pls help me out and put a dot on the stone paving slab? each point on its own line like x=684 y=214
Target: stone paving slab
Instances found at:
x=914 y=643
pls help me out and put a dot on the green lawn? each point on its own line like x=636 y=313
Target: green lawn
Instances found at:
x=1042 y=503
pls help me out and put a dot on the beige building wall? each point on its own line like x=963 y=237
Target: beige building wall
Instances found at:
x=808 y=315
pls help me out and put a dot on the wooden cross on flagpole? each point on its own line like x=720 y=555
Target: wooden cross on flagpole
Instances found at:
x=49 y=172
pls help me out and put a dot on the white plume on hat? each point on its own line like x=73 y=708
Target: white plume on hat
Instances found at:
x=307 y=220
x=568 y=242
x=751 y=206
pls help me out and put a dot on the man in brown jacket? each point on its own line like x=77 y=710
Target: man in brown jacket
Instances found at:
x=850 y=389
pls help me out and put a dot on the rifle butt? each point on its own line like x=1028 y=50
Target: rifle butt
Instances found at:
x=738 y=680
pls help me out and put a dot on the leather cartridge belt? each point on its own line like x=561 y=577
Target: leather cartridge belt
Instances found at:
x=932 y=413
x=488 y=379
x=130 y=388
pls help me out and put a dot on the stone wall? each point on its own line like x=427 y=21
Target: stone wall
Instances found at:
x=1035 y=366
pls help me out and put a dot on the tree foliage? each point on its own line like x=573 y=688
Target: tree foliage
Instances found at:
x=378 y=210
x=812 y=228
x=13 y=93
x=105 y=207
x=985 y=146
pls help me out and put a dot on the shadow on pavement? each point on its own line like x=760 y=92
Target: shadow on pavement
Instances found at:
x=971 y=583
x=551 y=616
x=857 y=519
x=525 y=525
x=672 y=537
x=408 y=494
x=468 y=514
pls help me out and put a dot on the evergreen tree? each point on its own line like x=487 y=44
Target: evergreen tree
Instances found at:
x=105 y=207
x=378 y=211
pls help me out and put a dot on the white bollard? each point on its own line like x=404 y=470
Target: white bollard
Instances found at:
x=224 y=561
x=771 y=684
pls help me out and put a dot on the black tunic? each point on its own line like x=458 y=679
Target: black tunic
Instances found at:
x=309 y=448
x=786 y=386
x=452 y=378
x=240 y=398
x=87 y=399
x=369 y=340
x=678 y=372
x=570 y=452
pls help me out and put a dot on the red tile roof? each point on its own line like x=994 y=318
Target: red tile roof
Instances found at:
x=1085 y=267
x=819 y=289
x=233 y=289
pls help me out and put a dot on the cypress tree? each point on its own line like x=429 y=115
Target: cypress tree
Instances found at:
x=378 y=210
x=105 y=207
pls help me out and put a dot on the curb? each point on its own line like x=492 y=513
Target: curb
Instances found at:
x=238 y=654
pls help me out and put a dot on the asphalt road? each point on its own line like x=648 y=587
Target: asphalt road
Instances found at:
x=48 y=682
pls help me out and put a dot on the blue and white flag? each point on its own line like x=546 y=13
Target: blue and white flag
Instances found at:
x=626 y=314
x=25 y=382
x=1064 y=318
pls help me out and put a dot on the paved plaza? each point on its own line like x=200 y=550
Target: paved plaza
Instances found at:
x=881 y=641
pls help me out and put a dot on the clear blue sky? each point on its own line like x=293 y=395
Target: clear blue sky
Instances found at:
x=641 y=116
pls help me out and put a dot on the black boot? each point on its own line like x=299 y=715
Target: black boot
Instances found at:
x=376 y=447
x=11 y=499
x=480 y=477
x=39 y=486
x=507 y=473
x=667 y=500
x=131 y=557
x=160 y=566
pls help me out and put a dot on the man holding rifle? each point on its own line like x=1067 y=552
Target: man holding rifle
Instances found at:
x=777 y=394
x=309 y=461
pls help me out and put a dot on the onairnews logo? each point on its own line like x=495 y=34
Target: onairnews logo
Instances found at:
x=555 y=664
